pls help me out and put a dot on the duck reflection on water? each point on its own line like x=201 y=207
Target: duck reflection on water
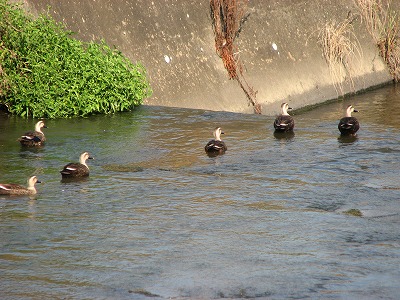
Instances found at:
x=288 y=135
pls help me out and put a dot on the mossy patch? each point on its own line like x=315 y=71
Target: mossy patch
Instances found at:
x=354 y=212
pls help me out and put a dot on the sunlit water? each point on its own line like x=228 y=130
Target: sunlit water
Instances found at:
x=158 y=218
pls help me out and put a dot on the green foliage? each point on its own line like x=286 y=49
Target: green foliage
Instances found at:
x=44 y=72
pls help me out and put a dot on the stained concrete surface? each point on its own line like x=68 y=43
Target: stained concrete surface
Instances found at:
x=278 y=47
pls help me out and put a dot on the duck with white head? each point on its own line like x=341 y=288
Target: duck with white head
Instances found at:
x=349 y=125
x=284 y=122
x=216 y=146
x=34 y=138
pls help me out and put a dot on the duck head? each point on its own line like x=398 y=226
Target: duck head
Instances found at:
x=284 y=108
x=39 y=125
x=84 y=156
x=31 y=183
x=350 y=109
x=217 y=133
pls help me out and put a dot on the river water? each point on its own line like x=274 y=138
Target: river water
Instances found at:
x=159 y=219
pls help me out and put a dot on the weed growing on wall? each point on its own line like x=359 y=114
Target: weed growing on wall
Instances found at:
x=340 y=48
x=44 y=72
x=383 y=23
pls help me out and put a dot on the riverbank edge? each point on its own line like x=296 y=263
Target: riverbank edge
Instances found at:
x=279 y=47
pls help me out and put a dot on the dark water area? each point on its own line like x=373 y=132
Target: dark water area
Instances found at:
x=159 y=219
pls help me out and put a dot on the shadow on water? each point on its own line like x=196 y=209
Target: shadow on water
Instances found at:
x=212 y=154
x=284 y=135
x=123 y=168
x=74 y=179
x=347 y=139
x=26 y=152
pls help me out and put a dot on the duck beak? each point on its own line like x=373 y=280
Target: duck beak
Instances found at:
x=355 y=110
x=90 y=157
x=222 y=132
x=38 y=181
x=290 y=108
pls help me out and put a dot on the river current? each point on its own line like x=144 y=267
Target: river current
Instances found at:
x=159 y=219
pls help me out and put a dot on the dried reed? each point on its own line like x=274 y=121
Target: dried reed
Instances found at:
x=340 y=47
x=383 y=25
x=227 y=18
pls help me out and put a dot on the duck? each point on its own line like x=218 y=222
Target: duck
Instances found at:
x=216 y=146
x=15 y=189
x=349 y=125
x=284 y=122
x=80 y=169
x=34 y=138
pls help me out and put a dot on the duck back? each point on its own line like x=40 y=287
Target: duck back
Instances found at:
x=74 y=170
x=32 y=139
x=215 y=146
x=348 y=125
x=14 y=189
x=284 y=123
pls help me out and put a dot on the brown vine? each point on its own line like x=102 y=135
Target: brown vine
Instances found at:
x=227 y=18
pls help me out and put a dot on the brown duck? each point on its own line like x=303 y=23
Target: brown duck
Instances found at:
x=80 y=169
x=34 y=138
x=284 y=122
x=15 y=189
x=216 y=146
x=349 y=125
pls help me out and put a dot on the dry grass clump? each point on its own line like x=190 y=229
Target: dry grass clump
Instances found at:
x=383 y=25
x=227 y=18
x=340 y=47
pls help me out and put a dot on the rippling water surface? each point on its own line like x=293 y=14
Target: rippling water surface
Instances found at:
x=159 y=219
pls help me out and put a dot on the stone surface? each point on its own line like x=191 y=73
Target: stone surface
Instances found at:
x=278 y=47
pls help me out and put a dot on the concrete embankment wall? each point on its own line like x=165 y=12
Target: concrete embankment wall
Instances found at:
x=278 y=46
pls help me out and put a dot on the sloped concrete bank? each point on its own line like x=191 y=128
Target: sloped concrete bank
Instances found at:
x=278 y=46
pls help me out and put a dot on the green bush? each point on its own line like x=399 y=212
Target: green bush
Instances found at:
x=44 y=72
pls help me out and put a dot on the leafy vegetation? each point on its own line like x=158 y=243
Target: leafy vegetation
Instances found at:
x=44 y=72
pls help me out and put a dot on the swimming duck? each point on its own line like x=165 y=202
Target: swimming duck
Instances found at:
x=216 y=146
x=34 y=138
x=15 y=189
x=349 y=125
x=77 y=169
x=284 y=122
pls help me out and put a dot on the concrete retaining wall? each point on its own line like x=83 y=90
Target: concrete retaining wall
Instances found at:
x=175 y=41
